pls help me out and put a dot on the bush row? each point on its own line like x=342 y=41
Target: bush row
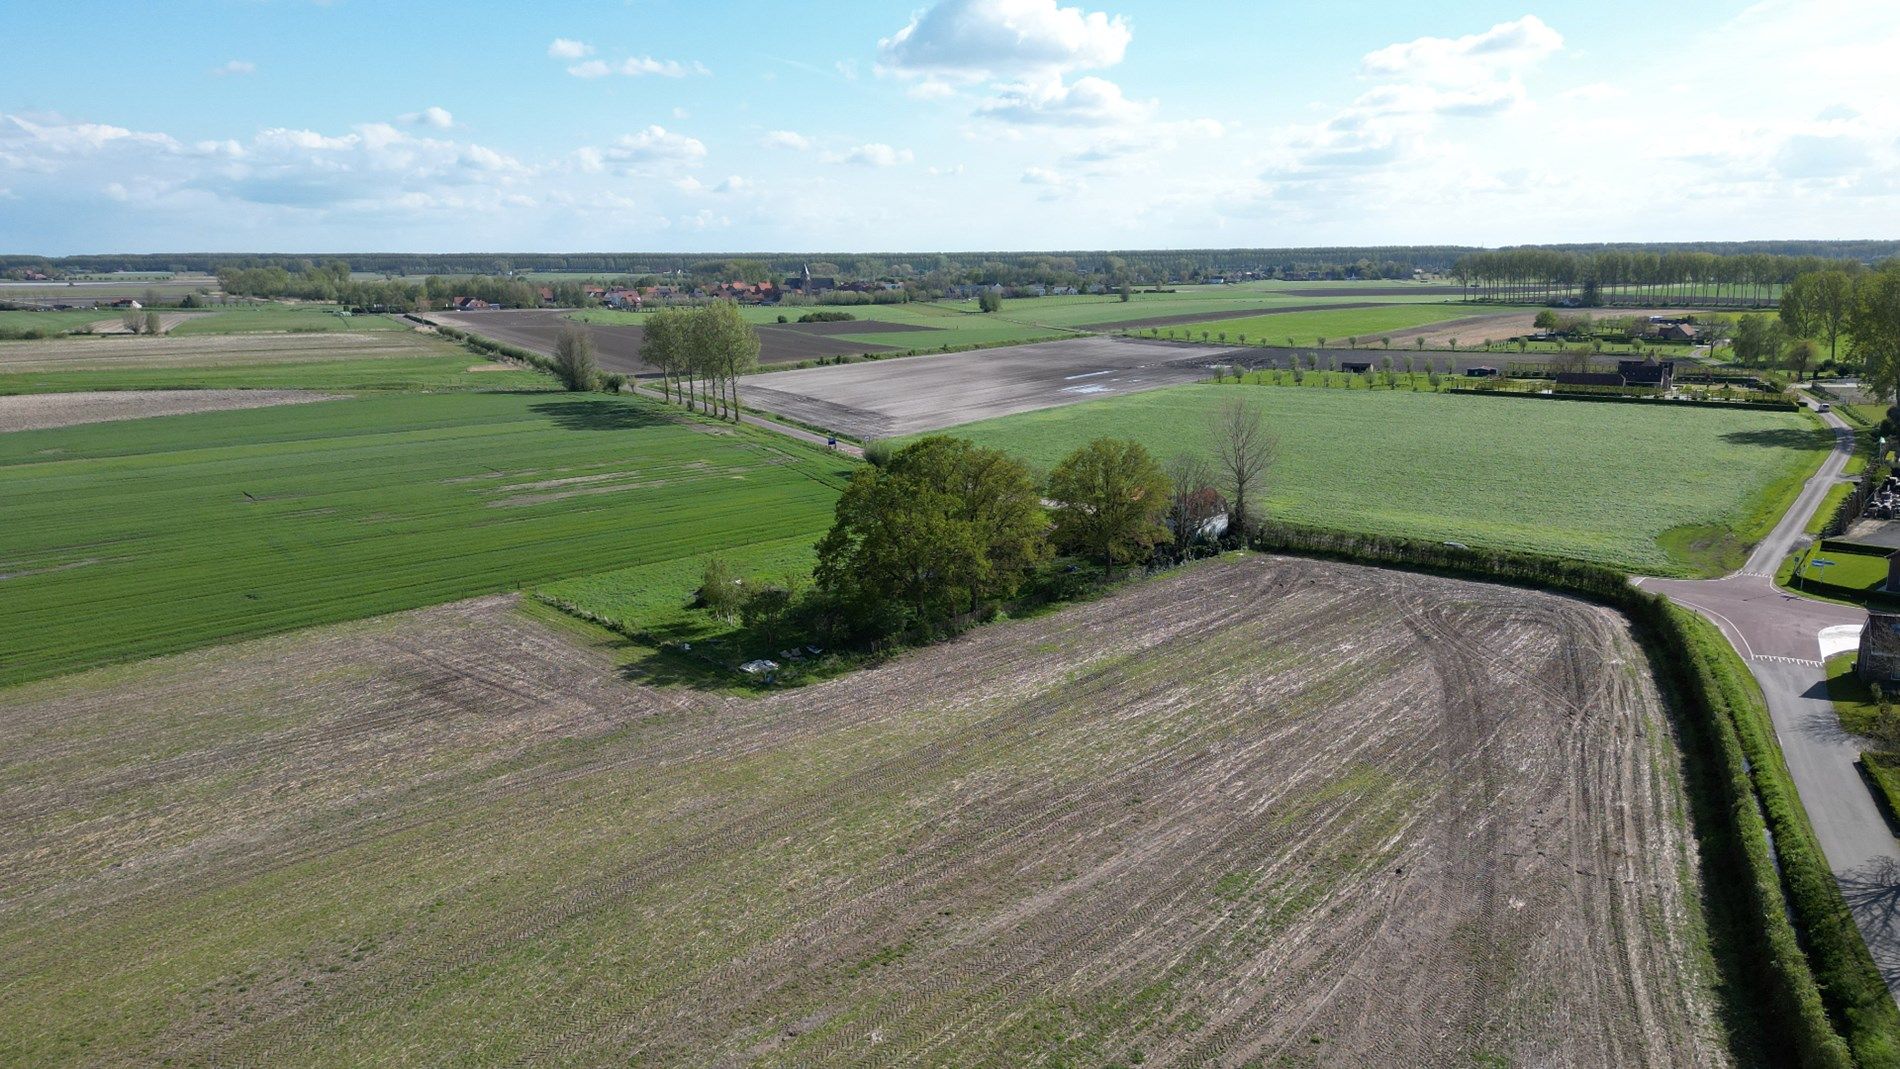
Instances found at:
x=1813 y=998
x=1569 y=395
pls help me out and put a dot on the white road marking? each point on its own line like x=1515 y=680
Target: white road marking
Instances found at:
x=1088 y=374
x=1778 y=659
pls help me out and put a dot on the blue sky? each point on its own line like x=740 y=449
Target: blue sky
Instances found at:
x=959 y=124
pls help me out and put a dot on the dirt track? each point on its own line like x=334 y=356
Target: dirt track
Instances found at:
x=1473 y=330
x=618 y=347
x=26 y=412
x=883 y=398
x=1262 y=812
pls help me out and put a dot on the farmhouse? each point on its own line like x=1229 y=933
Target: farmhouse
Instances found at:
x=623 y=299
x=1676 y=332
x=1880 y=648
x=469 y=304
x=1648 y=372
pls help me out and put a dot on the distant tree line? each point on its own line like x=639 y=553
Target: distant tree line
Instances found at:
x=1366 y=261
x=1632 y=276
x=331 y=281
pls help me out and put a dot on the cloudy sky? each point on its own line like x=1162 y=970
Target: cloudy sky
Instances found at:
x=859 y=125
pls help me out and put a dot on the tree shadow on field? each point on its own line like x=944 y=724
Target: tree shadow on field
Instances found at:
x=606 y=414
x=1780 y=438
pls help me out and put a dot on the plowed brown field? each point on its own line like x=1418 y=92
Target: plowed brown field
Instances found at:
x=1263 y=812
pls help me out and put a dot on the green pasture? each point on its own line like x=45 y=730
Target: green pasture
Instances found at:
x=14 y=324
x=1611 y=483
x=287 y=317
x=1334 y=325
x=126 y=540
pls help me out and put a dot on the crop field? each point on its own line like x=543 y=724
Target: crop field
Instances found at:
x=1133 y=831
x=274 y=317
x=1613 y=483
x=31 y=412
x=131 y=539
x=381 y=360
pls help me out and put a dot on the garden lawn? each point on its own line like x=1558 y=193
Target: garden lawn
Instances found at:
x=1597 y=482
x=127 y=540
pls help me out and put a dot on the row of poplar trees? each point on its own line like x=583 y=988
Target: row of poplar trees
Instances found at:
x=700 y=354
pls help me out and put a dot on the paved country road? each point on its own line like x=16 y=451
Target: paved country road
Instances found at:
x=1779 y=635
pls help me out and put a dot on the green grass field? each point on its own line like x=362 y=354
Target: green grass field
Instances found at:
x=127 y=540
x=1334 y=325
x=48 y=324
x=269 y=317
x=1597 y=482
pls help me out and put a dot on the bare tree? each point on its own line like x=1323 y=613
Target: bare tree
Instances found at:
x=1243 y=453
x=1191 y=497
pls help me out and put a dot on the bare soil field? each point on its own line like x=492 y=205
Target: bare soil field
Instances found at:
x=1260 y=812
x=29 y=412
x=212 y=350
x=886 y=398
x=618 y=347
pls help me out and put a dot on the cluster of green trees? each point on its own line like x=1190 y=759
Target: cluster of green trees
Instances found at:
x=330 y=281
x=943 y=529
x=700 y=354
x=1629 y=276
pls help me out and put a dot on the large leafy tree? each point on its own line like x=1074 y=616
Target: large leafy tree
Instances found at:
x=942 y=525
x=1873 y=325
x=1817 y=305
x=1110 y=498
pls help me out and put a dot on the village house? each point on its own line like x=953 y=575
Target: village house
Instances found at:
x=1648 y=372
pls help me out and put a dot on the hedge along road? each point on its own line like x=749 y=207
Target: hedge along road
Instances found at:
x=1778 y=634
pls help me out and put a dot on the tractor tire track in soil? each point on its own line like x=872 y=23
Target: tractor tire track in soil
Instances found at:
x=1260 y=809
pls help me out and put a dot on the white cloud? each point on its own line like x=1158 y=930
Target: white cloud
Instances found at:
x=786 y=139
x=944 y=172
x=1513 y=45
x=1053 y=184
x=976 y=39
x=1090 y=101
x=565 y=48
x=234 y=67
x=872 y=155
x=440 y=118
x=653 y=145
x=931 y=89
x=636 y=67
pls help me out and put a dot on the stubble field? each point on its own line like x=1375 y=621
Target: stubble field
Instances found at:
x=1263 y=812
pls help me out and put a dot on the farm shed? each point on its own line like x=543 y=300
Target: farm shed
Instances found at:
x=1481 y=372
x=1355 y=367
x=1880 y=648
x=1647 y=372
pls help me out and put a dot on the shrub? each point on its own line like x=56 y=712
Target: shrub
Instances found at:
x=824 y=317
x=877 y=453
